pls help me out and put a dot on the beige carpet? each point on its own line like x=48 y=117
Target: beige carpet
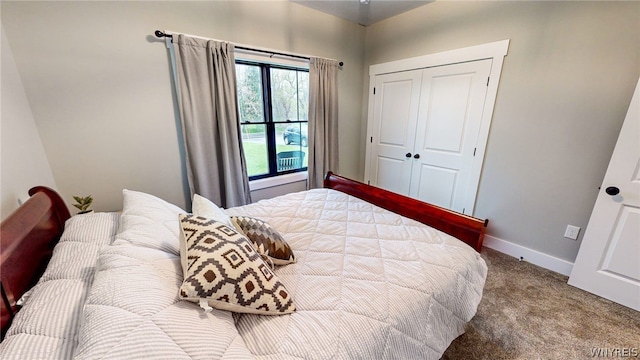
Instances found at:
x=528 y=312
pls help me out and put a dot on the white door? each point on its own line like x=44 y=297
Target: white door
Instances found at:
x=425 y=129
x=394 y=123
x=449 y=120
x=607 y=262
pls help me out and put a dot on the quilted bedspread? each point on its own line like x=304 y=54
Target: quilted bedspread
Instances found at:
x=133 y=311
x=48 y=324
x=367 y=284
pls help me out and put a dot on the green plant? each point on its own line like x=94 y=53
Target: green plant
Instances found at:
x=83 y=203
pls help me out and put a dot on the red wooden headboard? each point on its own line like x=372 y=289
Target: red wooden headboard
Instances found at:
x=27 y=239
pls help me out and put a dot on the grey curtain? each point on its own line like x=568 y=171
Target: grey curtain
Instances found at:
x=206 y=81
x=323 y=119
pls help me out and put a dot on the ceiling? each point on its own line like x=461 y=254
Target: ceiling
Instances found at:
x=363 y=12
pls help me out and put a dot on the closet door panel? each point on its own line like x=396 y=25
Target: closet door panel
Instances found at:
x=452 y=102
x=389 y=173
x=437 y=184
x=396 y=107
x=447 y=109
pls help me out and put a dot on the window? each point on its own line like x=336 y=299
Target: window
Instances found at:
x=273 y=101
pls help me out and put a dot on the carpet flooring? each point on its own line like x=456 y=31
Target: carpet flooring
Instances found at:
x=528 y=312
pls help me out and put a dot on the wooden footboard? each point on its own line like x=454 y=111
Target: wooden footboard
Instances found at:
x=466 y=228
x=28 y=238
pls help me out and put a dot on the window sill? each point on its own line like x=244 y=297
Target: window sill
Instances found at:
x=277 y=180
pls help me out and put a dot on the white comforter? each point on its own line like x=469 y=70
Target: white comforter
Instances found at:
x=368 y=284
x=47 y=326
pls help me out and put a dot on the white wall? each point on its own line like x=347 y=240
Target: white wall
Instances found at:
x=565 y=88
x=99 y=83
x=24 y=163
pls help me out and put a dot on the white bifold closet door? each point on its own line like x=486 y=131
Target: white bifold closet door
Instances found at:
x=426 y=126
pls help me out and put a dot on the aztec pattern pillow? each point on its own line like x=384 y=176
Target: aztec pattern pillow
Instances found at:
x=221 y=266
x=265 y=239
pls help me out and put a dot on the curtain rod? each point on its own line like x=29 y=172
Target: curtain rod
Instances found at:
x=161 y=34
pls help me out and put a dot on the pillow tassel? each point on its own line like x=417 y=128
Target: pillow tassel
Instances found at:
x=205 y=306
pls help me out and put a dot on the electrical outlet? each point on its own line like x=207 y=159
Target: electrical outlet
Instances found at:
x=572 y=232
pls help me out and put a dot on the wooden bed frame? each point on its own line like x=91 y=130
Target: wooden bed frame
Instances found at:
x=27 y=239
x=29 y=235
x=466 y=228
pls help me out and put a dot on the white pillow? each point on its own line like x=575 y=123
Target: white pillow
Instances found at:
x=206 y=208
x=149 y=221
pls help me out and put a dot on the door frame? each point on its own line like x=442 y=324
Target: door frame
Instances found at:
x=495 y=50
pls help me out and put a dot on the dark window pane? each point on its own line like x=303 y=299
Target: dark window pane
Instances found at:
x=303 y=95
x=284 y=94
x=250 y=101
x=254 y=142
x=291 y=146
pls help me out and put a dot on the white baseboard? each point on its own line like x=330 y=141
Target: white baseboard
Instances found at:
x=529 y=255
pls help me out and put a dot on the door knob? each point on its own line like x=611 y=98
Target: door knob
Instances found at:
x=416 y=156
x=408 y=155
x=612 y=190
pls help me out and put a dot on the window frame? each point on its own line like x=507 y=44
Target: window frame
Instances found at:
x=269 y=123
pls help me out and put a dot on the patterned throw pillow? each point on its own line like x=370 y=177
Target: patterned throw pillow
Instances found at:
x=265 y=239
x=221 y=266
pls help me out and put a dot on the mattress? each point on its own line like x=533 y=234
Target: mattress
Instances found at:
x=367 y=284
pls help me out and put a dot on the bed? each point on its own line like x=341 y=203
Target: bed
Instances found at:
x=375 y=275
